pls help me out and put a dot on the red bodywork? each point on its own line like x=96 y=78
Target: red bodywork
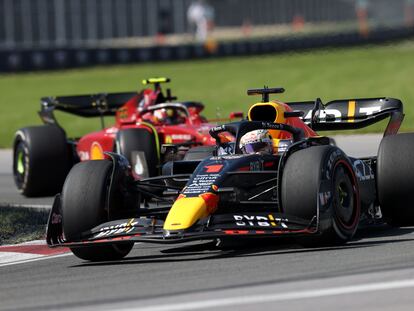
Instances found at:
x=192 y=128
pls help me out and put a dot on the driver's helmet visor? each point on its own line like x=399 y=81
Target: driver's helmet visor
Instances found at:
x=254 y=147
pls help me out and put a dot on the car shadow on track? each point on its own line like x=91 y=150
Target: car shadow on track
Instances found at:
x=368 y=237
x=383 y=230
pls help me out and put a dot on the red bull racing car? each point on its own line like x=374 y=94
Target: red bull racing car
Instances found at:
x=303 y=186
x=147 y=125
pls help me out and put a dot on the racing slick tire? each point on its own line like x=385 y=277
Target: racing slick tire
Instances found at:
x=139 y=140
x=395 y=178
x=339 y=205
x=83 y=202
x=41 y=160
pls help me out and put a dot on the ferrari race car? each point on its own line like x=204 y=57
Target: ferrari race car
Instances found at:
x=305 y=188
x=147 y=125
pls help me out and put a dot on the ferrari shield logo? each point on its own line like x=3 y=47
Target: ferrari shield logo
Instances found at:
x=139 y=164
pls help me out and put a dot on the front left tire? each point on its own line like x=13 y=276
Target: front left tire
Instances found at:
x=85 y=206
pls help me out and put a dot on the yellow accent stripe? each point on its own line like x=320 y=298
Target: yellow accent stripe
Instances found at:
x=272 y=220
x=351 y=110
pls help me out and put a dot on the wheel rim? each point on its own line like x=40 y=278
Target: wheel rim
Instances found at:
x=346 y=203
x=20 y=162
x=19 y=165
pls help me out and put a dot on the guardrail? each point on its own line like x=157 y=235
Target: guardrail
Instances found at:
x=60 y=58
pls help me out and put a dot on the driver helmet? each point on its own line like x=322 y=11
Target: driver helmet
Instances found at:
x=257 y=141
x=160 y=116
x=163 y=115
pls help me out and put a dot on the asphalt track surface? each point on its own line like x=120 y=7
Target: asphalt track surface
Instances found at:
x=375 y=271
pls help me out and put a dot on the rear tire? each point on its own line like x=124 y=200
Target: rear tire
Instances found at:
x=41 y=160
x=131 y=140
x=395 y=178
x=84 y=206
x=301 y=180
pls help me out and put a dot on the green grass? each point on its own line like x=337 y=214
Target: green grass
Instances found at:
x=371 y=71
x=21 y=224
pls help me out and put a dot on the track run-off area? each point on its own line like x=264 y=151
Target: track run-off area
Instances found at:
x=375 y=271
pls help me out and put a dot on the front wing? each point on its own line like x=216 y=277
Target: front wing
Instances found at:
x=150 y=229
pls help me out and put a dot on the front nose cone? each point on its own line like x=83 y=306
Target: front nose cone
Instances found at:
x=185 y=212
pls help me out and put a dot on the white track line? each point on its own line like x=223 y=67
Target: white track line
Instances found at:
x=242 y=300
x=42 y=257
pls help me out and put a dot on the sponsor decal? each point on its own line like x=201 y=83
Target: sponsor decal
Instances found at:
x=283 y=145
x=370 y=110
x=329 y=114
x=126 y=227
x=362 y=171
x=181 y=137
x=83 y=155
x=204 y=129
x=218 y=128
x=256 y=166
x=111 y=130
x=96 y=151
x=139 y=164
x=275 y=126
x=258 y=221
x=228 y=157
x=213 y=168
x=168 y=139
x=324 y=197
x=201 y=183
x=335 y=115
x=56 y=219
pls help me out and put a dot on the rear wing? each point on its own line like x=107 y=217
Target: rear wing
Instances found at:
x=94 y=105
x=351 y=113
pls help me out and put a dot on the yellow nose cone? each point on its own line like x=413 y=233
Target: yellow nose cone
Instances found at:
x=185 y=212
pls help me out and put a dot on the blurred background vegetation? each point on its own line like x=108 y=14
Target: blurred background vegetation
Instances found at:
x=221 y=84
x=59 y=34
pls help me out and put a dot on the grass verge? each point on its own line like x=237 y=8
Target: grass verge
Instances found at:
x=370 y=71
x=22 y=224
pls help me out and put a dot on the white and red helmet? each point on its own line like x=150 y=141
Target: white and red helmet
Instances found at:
x=258 y=141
